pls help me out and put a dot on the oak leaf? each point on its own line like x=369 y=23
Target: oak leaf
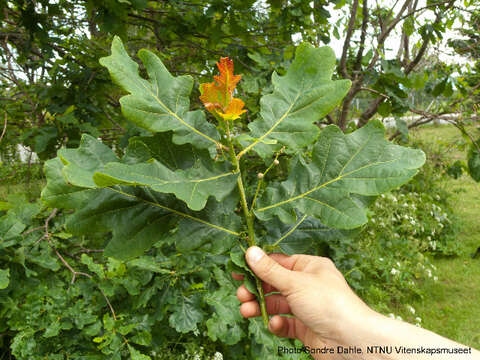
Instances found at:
x=217 y=96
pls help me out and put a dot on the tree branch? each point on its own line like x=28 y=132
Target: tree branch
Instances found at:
x=424 y=46
x=375 y=92
x=329 y=119
x=4 y=127
x=67 y=265
x=386 y=32
x=372 y=109
x=342 y=68
x=427 y=117
x=363 y=36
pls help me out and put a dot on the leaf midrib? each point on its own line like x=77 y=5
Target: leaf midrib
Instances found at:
x=338 y=178
x=269 y=131
x=166 y=182
x=166 y=108
x=171 y=113
x=282 y=118
x=176 y=212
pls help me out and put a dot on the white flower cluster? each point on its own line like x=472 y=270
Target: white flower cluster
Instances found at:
x=395 y=317
x=418 y=321
x=394 y=271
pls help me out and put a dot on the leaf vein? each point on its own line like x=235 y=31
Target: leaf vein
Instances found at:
x=177 y=212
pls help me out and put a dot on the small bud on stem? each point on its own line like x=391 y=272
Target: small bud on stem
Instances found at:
x=260 y=176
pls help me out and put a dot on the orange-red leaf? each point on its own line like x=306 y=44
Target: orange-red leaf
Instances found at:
x=227 y=80
x=234 y=110
x=211 y=96
x=218 y=95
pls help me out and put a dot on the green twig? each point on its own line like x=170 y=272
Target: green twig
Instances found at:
x=249 y=218
x=260 y=181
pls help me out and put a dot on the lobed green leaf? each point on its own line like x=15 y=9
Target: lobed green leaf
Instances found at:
x=138 y=215
x=161 y=103
x=225 y=323
x=186 y=314
x=362 y=162
x=300 y=237
x=4 y=278
x=193 y=185
x=304 y=95
x=59 y=193
x=81 y=163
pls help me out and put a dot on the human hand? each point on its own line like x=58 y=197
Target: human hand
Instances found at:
x=312 y=290
x=327 y=313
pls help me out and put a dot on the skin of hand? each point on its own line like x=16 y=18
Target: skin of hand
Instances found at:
x=310 y=288
x=326 y=312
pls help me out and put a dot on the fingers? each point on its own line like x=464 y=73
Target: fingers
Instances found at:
x=244 y=295
x=289 y=262
x=276 y=304
x=287 y=327
x=278 y=270
x=278 y=325
x=269 y=270
x=237 y=276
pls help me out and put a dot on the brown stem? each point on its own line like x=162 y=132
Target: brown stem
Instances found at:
x=371 y=110
x=363 y=36
x=109 y=304
x=4 y=127
x=65 y=262
x=33 y=230
x=342 y=69
x=347 y=101
x=329 y=119
x=375 y=92
x=386 y=30
x=88 y=251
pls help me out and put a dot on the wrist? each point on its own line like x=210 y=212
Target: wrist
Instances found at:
x=360 y=327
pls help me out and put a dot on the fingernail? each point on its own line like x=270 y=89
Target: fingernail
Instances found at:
x=254 y=254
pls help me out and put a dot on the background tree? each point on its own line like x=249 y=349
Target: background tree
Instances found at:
x=54 y=89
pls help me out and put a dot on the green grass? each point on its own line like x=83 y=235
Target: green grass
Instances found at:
x=451 y=306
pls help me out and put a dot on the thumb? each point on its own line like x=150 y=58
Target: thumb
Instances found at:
x=268 y=269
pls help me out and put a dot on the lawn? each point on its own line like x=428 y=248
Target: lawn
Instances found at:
x=451 y=306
